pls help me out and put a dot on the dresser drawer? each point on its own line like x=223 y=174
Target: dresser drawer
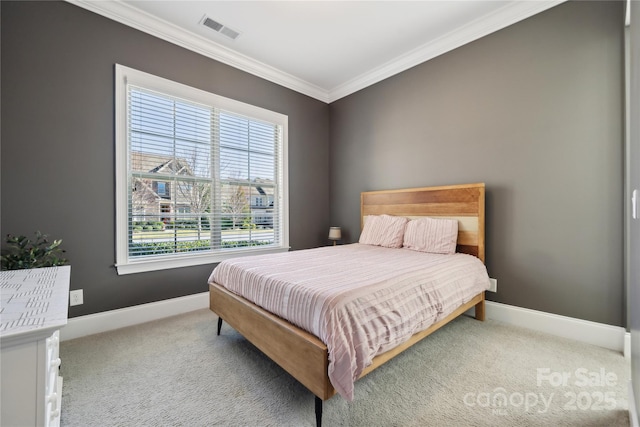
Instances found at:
x=53 y=387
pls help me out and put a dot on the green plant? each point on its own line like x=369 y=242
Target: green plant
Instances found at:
x=22 y=253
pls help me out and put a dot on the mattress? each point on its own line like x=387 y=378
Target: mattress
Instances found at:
x=360 y=300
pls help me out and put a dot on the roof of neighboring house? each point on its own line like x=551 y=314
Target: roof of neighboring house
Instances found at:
x=158 y=163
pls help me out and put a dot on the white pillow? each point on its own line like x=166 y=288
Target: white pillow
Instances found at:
x=383 y=230
x=438 y=236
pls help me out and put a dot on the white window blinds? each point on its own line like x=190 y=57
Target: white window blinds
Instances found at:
x=203 y=181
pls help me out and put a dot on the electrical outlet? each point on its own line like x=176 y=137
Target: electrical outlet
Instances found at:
x=494 y=285
x=76 y=297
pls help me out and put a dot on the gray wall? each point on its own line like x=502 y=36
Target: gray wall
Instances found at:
x=58 y=142
x=535 y=112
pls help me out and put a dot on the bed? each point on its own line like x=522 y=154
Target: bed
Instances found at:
x=307 y=357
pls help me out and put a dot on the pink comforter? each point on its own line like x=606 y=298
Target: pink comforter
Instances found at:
x=360 y=300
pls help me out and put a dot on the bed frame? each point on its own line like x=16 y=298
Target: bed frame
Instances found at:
x=302 y=354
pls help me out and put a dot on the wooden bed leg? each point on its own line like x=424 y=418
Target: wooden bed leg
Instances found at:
x=480 y=310
x=219 y=324
x=318 y=412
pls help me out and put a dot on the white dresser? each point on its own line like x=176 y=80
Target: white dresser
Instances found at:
x=34 y=305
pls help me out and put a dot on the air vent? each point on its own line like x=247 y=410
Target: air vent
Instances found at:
x=208 y=22
x=229 y=33
x=220 y=28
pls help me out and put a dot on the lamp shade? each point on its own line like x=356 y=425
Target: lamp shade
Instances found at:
x=335 y=233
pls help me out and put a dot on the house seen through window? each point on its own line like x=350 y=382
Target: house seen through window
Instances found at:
x=200 y=177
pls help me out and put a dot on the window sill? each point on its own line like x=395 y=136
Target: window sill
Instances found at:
x=166 y=263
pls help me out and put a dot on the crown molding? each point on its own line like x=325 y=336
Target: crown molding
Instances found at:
x=128 y=15
x=140 y=20
x=507 y=15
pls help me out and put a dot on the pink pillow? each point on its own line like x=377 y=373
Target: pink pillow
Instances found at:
x=438 y=236
x=383 y=230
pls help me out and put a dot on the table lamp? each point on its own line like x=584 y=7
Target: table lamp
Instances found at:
x=335 y=234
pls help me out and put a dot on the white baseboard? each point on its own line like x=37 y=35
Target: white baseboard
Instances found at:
x=115 y=319
x=627 y=346
x=633 y=413
x=607 y=336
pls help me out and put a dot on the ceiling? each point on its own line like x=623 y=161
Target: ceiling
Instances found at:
x=324 y=49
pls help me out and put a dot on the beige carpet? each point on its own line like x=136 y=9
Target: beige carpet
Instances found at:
x=177 y=372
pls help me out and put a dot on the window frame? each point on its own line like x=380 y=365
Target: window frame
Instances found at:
x=127 y=265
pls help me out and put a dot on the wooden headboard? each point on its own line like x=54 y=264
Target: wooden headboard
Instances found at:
x=462 y=202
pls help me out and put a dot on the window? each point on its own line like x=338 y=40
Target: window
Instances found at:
x=189 y=164
x=162 y=189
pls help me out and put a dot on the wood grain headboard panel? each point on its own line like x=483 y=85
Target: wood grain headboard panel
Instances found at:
x=462 y=202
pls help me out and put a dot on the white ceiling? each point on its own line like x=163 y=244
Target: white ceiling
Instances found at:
x=324 y=49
